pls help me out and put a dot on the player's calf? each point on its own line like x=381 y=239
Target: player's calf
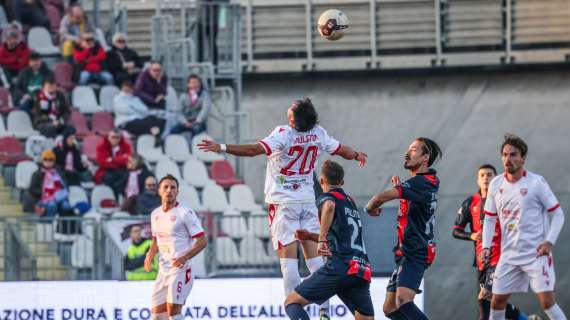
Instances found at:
x=294 y=307
x=174 y=311
x=159 y=312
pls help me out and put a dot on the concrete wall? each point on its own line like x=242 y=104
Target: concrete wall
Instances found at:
x=466 y=113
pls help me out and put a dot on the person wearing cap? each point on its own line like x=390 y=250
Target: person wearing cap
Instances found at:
x=48 y=189
x=69 y=160
x=124 y=63
x=30 y=82
x=136 y=254
x=51 y=110
x=14 y=52
x=89 y=57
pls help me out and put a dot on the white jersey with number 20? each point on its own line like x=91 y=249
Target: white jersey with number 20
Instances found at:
x=292 y=158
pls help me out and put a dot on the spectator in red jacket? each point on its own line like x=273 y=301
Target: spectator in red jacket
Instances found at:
x=90 y=58
x=14 y=52
x=112 y=156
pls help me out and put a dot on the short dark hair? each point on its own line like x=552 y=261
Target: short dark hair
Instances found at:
x=168 y=177
x=35 y=56
x=332 y=172
x=127 y=83
x=487 y=166
x=430 y=147
x=49 y=79
x=305 y=115
x=515 y=141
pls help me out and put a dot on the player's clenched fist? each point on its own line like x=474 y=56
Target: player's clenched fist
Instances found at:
x=178 y=262
x=396 y=181
x=485 y=255
x=323 y=249
x=544 y=249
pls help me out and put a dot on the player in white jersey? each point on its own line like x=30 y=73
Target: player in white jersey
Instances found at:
x=292 y=151
x=531 y=219
x=178 y=236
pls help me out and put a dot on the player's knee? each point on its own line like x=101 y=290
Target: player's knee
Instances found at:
x=294 y=297
x=546 y=301
x=388 y=308
x=499 y=302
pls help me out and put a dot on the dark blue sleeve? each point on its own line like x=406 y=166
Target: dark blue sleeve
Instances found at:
x=415 y=190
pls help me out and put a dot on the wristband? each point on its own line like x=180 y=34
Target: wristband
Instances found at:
x=223 y=147
x=325 y=241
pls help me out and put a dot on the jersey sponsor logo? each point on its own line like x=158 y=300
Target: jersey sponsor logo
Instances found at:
x=524 y=191
x=514 y=214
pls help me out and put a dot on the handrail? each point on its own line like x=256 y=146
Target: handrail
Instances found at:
x=15 y=246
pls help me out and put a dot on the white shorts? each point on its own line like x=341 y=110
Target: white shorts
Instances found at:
x=285 y=219
x=172 y=287
x=514 y=278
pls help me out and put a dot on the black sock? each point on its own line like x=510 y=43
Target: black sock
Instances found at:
x=396 y=315
x=485 y=306
x=411 y=311
x=296 y=312
x=512 y=313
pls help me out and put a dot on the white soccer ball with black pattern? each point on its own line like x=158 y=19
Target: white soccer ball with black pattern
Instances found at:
x=333 y=24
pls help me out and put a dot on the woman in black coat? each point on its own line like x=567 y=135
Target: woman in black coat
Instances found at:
x=68 y=159
x=123 y=62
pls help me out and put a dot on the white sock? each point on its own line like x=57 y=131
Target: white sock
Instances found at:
x=555 y=313
x=290 y=271
x=313 y=265
x=159 y=316
x=497 y=314
x=176 y=317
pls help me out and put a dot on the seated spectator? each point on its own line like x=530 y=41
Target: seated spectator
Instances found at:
x=113 y=154
x=72 y=26
x=196 y=105
x=30 y=82
x=132 y=115
x=151 y=86
x=136 y=254
x=137 y=174
x=145 y=202
x=30 y=13
x=51 y=111
x=14 y=52
x=124 y=63
x=90 y=57
x=68 y=159
x=48 y=189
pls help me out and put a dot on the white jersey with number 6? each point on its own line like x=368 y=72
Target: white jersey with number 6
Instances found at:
x=292 y=158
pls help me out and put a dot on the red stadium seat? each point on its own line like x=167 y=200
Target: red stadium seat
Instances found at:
x=54 y=17
x=6 y=104
x=102 y=122
x=11 y=151
x=63 y=74
x=222 y=172
x=89 y=146
x=79 y=122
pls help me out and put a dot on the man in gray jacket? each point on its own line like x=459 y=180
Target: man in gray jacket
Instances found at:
x=196 y=105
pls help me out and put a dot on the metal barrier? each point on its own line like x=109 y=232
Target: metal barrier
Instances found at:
x=19 y=262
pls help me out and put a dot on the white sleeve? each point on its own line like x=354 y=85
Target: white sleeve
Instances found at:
x=275 y=142
x=328 y=143
x=490 y=218
x=555 y=225
x=152 y=225
x=547 y=197
x=193 y=224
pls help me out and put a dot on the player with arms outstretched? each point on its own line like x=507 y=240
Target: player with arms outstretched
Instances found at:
x=347 y=272
x=178 y=235
x=415 y=250
x=292 y=151
x=524 y=204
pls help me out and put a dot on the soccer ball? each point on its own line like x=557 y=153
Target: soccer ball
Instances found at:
x=332 y=24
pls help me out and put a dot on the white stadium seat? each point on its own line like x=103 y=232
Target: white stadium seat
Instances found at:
x=20 y=125
x=226 y=251
x=196 y=174
x=176 y=147
x=202 y=155
x=76 y=195
x=24 y=172
x=35 y=145
x=106 y=96
x=83 y=98
x=234 y=226
x=253 y=252
x=166 y=166
x=101 y=192
x=82 y=253
x=259 y=225
x=121 y=214
x=188 y=196
x=90 y=219
x=241 y=198
x=214 y=199
x=39 y=41
x=146 y=148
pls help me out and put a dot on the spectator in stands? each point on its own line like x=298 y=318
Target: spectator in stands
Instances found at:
x=51 y=110
x=113 y=154
x=132 y=115
x=30 y=13
x=196 y=105
x=151 y=86
x=14 y=52
x=72 y=26
x=90 y=58
x=138 y=172
x=134 y=261
x=69 y=160
x=48 y=189
x=124 y=63
x=30 y=82
x=145 y=202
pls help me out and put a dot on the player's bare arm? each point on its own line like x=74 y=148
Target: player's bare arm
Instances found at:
x=348 y=153
x=241 y=150
x=327 y=216
x=198 y=246
x=373 y=206
x=150 y=255
x=464 y=235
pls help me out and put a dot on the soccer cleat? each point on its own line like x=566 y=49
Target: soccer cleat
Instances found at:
x=534 y=317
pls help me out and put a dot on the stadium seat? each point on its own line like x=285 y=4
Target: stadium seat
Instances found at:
x=172 y=103
x=121 y=214
x=234 y=226
x=176 y=147
x=54 y=17
x=82 y=252
x=3 y=17
x=204 y=156
x=35 y=145
x=79 y=122
x=89 y=222
x=226 y=251
x=20 y=125
x=76 y=195
x=259 y=224
x=166 y=166
x=39 y=40
x=6 y=103
x=83 y=98
x=147 y=149
x=196 y=174
x=101 y=192
x=89 y=146
x=2 y=127
x=241 y=198
x=253 y=252
x=188 y=196
x=214 y=199
x=106 y=96
x=24 y=172
x=222 y=172
x=102 y=122
x=11 y=151
x=63 y=74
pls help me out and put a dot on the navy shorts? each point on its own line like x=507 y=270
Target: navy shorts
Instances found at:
x=486 y=278
x=407 y=274
x=353 y=291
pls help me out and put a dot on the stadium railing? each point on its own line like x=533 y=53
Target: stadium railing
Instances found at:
x=19 y=262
